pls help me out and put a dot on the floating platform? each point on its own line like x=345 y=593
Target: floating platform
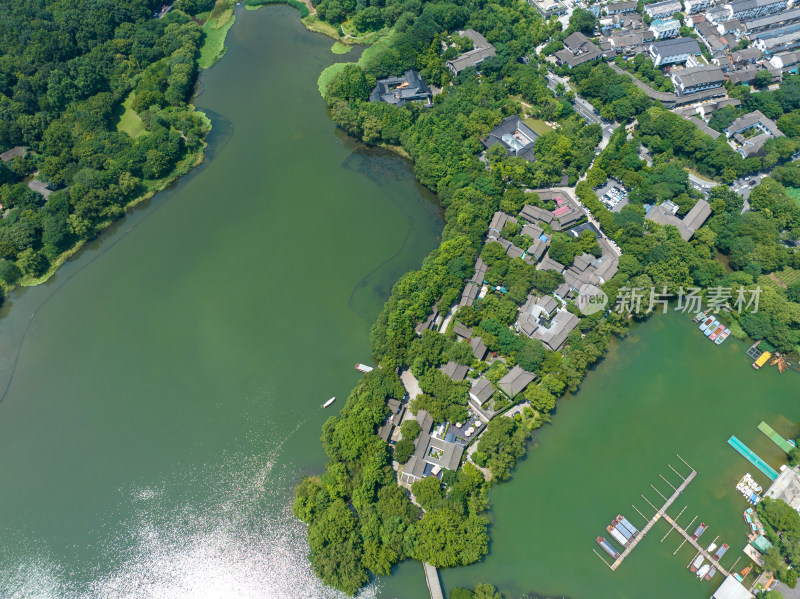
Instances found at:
x=753 y=458
x=776 y=438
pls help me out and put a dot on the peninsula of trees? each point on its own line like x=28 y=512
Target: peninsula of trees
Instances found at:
x=360 y=522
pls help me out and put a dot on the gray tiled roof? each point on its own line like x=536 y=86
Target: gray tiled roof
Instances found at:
x=535 y=214
x=455 y=371
x=515 y=136
x=481 y=50
x=515 y=381
x=549 y=264
x=462 y=331
x=678 y=45
x=399 y=90
x=548 y=303
x=482 y=390
x=479 y=349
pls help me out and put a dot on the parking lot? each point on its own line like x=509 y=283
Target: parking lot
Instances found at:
x=613 y=195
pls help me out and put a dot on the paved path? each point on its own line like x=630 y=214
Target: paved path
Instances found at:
x=664 y=97
x=411 y=384
x=432 y=578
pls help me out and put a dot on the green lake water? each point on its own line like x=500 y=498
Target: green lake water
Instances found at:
x=167 y=382
x=162 y=392
x=664 y=390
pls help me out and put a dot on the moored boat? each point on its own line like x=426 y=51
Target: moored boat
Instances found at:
x=329 y=402
x=699 y=316
x=717 y=332
x=363 y=368
x=723 y=336
x=623 y=531
x=721 y=551
x=607 y=547
x=624 y=521
x=711 y=573
x=696 y=563
x=711 y=328
x=703 y=570
x=618 y=536
x=699 y=530
x=711 y=547
x=705 y=324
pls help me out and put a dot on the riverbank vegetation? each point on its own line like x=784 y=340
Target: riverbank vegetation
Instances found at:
x=100 y=107
x=782 y=528
x=217 y=23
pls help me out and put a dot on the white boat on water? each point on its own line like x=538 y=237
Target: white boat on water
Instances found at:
x=696 y=563
x=703 y=570
x=329 y=402
x=711 y=547
x=363 y=368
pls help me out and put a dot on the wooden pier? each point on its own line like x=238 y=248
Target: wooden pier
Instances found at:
x=432 y=578
x=697 y=546
x=658 y=515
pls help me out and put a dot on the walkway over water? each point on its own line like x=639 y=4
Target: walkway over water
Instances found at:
x=776 y=438
x=752 y=457
x=654 y=519
x=697 y=546
x=432 y=578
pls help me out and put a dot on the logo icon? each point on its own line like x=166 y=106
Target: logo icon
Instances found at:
x=591 y=299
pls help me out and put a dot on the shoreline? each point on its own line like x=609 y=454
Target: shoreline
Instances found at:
x=187 y=165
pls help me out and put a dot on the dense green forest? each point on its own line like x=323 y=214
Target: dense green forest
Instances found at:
x=97 y=92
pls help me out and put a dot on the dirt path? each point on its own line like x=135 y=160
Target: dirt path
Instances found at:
x=310 y=6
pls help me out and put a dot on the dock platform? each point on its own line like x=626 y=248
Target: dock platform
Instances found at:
x=775 y=437
x=751 y=456
x=697 y=546
x=659 y=514
x=432 y=578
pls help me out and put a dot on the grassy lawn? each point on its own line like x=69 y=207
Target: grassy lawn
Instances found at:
x=215 y=30
x=313 y=23
x=129 y=121
x=539 y=126
x=340 y=48
x=794 y=193
x=783 y=278
x=328 y=74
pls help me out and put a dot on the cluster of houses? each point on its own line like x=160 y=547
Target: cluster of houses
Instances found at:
x=411 y=87
x=546 y=318
x=728 y=41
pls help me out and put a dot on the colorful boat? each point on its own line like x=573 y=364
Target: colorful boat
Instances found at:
x=721 y=551
x=699 y=530
x=711 y=328
x=723 y=336
x=698 y=316
x=711 y=573
x=705 y=324
x=607 y=547
x=696 y=563
x=703 y=570
x=363 y=368
x=717 y=332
